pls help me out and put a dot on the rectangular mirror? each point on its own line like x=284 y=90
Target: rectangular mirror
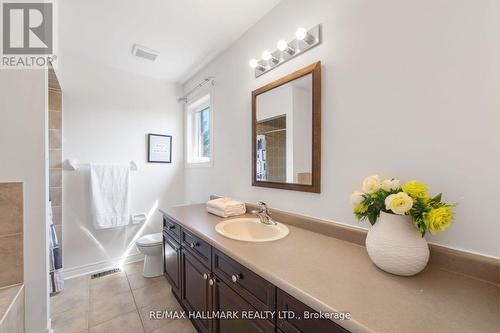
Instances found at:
x=286 y=130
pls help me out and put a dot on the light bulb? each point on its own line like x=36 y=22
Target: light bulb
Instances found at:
x=301 y=33
x=253 y=63
x=266 y=55
x=282 y=45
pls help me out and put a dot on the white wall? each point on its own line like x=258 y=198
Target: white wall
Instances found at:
x=107 y=116
x=23 y=157
x=409 y=89
x=302 y=129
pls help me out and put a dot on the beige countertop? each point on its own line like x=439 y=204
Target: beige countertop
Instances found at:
x=329 y=275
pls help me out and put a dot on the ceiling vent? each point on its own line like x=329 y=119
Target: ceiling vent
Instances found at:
x=145 y=53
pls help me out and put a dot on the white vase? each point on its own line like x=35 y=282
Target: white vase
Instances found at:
x=396 y=246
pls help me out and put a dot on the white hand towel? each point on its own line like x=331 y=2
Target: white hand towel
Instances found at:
x=225 y=207
x=222 y=213
x=109 y=195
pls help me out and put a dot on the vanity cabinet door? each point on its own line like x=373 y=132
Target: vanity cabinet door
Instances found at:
x=226 y=300
x=294 y=325
x=172 y=262
x=196 y=291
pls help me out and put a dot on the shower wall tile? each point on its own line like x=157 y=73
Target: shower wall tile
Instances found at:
x=55 y=101
x=55 y=178
x=55 y=120
x=11 y=208
x=11 y=254
x=59 y=233
x=55 y=158
x=13 y=320
x=57 y=215
x=56 y=195
x=55 y=139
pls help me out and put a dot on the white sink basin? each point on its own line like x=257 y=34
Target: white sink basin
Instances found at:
x=251 y=230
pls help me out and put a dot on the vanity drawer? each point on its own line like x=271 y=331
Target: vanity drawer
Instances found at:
x=286 y=302
x=172 y=228
x=255 y=289
x=198 y=247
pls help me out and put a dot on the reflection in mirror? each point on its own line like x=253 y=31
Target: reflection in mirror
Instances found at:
x=284 y=133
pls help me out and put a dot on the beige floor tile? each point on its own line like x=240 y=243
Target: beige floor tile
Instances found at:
x=105 y=309
x=108 y=286
x=166 y=304
x=138 y=281
x=71 y=321
x=81 y=282
x=177 y=326
x=126 y=323
x=151 y=294
x=133 y=268
x=74 y=295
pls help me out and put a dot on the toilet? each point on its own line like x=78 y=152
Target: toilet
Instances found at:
x=151 y=246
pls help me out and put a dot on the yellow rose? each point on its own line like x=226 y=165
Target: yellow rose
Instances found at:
x=399 y=203
x=416 y=189
x=438 y=219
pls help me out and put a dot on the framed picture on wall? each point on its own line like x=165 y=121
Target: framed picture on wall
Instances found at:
x=159 y=148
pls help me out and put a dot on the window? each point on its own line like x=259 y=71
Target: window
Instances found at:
x=199 y=132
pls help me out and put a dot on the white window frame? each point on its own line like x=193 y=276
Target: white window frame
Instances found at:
x=196 y=103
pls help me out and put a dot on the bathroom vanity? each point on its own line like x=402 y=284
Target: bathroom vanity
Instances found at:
x=311 y=272
x=205 y=279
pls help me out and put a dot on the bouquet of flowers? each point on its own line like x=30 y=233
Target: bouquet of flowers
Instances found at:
x=428 y=213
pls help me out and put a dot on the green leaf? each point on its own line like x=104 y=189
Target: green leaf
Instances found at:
x=372 y=218
x=437 y=198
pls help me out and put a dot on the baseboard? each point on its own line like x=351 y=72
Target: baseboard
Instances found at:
x=73 y=272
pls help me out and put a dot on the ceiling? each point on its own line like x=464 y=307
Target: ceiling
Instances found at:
x=187 y=33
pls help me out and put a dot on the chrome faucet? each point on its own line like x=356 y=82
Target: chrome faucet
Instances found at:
x=264 y=214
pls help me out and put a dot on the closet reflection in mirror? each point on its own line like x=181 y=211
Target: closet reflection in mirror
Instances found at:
x=284 y=133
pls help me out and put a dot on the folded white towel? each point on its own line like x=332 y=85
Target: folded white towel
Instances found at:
x=110 y=197
x=226 y=207
x=222 y=213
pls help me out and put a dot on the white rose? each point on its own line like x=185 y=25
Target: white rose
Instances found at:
x=371 y=184
x=357 y=198
x=399 y=203
x=390 y=184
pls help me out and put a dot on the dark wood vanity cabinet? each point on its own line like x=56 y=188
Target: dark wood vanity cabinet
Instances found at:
x=207 y=282
x=227 y=300
x=172 y=262
x=196 y=293
x=286 y=324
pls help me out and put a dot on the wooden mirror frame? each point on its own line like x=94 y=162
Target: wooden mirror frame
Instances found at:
x=315 y=187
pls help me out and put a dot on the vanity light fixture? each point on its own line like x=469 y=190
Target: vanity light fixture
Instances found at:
x=283 y=46
x=266 y=56
x=302 y=34
x=305 y=40
x=255 y=64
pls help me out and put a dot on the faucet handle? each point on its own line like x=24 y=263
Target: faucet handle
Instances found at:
x=263 y=207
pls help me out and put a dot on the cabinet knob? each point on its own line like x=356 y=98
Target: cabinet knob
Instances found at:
x=235 y=278
x=193 y=245
x=205 y=276
x=211 y=282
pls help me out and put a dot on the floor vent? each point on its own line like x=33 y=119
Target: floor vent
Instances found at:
x=101 y=274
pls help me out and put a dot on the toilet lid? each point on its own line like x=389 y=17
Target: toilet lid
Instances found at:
x=150 y=240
